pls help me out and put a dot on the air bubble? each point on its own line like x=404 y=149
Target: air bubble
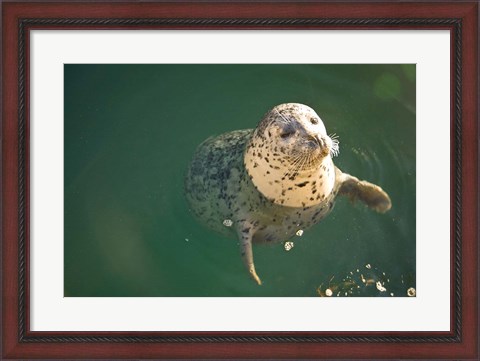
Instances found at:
x=380 y=287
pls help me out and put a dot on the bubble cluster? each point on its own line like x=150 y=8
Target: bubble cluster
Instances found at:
x=365 y=281
x=227 y=222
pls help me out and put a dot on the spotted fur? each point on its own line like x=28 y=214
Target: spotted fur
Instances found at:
x=258 y=179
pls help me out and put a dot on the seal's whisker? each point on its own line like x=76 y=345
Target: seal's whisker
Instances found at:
x=333 y=136
x=335 y=149
x=314 y=161
x=303 y=160
x=297 y=157
x=294 y=165
x=287 y=121
x=302 y=167
x=297 y=166
x=308 y=163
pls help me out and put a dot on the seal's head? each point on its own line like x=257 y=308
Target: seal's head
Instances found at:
x=289 y=150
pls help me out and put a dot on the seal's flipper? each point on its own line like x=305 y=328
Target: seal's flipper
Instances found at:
x=370 y=194
x=245 y=234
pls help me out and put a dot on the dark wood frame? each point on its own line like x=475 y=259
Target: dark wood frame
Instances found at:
x=461 y=18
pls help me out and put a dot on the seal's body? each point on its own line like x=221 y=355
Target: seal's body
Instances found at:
x=266 y=184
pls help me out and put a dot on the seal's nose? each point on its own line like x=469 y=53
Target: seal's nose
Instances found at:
x=316 y=141
x=323 y=143
x=320 y=141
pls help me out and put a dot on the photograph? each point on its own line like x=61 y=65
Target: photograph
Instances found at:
x=239 y=180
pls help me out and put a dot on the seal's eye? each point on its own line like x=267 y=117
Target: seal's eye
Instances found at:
x=314 y=120
x=287 y=133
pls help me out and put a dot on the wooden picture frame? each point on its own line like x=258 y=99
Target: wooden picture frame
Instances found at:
x=460 y=18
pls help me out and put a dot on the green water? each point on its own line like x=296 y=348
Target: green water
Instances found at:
x=131 y=130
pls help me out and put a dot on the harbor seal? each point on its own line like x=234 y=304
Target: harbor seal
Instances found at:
x=263 y=185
